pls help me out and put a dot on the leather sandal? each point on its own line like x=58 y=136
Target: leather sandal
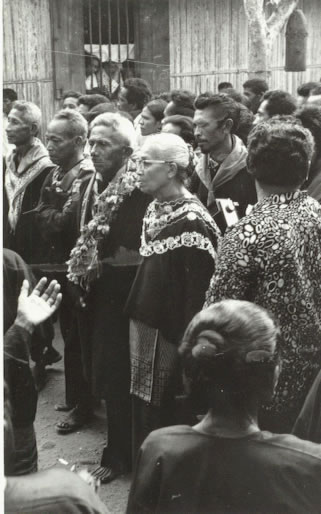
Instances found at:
x=75 y=420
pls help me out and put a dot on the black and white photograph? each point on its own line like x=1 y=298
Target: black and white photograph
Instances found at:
x=161 y=253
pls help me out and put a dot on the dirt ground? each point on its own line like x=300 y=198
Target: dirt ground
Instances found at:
x=81 y=448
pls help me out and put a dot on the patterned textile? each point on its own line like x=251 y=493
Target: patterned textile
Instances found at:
x=160 y=216
x=272 y=257
x=153 y=361
x=18 y=178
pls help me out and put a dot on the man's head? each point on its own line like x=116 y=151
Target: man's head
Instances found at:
x=23 y=123
x=224 y=85
x=275 y=103
x=92 y=64
x=315 y=96
x=87 y=102
x=134 y=95
x=181 y=102
x=304 y=91
x=112 y=140
x=216 y=117
x=9 y=96
x=254 y=90
x=70 y=99
x=310 y=117
x=66 y=136
x=279 y=153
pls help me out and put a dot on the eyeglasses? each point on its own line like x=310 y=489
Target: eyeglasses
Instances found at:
x=140 y=163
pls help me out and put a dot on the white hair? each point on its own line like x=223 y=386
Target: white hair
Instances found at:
x=168 y=147
x=121 y=125
x=30 y=111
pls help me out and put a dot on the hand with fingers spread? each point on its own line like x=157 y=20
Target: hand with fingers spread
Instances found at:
x=39 y=305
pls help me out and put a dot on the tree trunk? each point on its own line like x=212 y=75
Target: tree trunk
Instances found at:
x=262 y=33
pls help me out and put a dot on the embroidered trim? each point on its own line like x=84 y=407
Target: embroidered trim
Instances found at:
x=186 y=239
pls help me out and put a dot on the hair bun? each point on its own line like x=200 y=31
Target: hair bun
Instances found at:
x=208 y=345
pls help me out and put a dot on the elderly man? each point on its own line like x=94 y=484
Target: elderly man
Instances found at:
x=104 y=263
x=27 y=166
x=222 y=172
x=66 y=137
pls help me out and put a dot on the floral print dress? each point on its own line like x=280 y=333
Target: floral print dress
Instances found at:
x=272 y=257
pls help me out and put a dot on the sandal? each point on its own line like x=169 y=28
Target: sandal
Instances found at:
x=76 y=419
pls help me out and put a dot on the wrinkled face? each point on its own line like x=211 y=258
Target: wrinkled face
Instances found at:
x=70 y=103
x=261 y=114
x=148 y=124
x=107 y=150
x=170 y=128
x=253 y=98
x=209 y=129
x=154 y=175
x=122 y=102
x=60 y=144
x=19 y=130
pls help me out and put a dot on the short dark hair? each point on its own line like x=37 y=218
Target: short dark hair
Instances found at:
x=92 y=100
x=245 y=124
x=279 y=102
x=10 y=94
x=99 y=109
x=157 y=107
x=138 y=92
x=279 y=152
x=258 y=86
x=224 y=85
x=183 y=101
x=305 y=89
x=71 y=94
x=316 y=90
x=227 y=107
x=186 y=125
x=310 y=117
x=235 y=95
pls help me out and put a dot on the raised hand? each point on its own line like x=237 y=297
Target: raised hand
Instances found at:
x=39 y=305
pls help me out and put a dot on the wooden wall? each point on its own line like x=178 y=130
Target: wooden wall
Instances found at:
x=43 y=46
x=209 y=44
x=27 y=58
x=152 y=42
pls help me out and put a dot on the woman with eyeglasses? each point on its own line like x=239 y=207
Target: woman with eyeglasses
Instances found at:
x=178 y=246
x=225 y=463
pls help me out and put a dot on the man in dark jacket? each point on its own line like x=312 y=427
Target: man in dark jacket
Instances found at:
x=27 y=166
x=104 y=263
x=56 y=217
x=221 y=173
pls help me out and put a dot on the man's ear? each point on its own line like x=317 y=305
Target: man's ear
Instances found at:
x=34 y=129
x=127 y=151
x=228 y=125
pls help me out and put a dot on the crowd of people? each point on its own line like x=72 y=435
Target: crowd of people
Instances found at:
x=180 y=238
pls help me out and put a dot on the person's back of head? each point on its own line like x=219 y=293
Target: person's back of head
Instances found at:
x=279 y=153
x=229 y=352
x=138 y=92
x=157 y=108
x=279 y=102
x=8 y=97
x=315 y=96
x=305 y=89
x=310 y=117
x=91 y=100
x=181 y=102
x=245 y=124
x=224 y=85
x=99 y=109
x=185 y=127
x=257 y=86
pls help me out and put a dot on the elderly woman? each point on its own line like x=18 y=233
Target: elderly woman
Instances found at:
x=178 y=244
x=226 y=463
x=272 y=257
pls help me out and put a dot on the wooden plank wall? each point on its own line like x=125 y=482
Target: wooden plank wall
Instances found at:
x=209 y=44
x=27 y=58
x=151 y=42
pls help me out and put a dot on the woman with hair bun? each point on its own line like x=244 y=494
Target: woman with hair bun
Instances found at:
x=225 y=463
x=178 y=246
